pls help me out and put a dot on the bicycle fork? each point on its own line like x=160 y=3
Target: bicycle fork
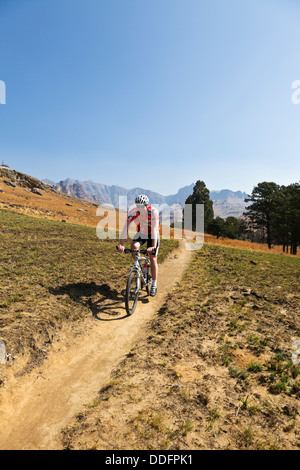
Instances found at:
x=137 y=268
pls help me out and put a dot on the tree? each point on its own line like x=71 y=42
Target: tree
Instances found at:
x=286 y=220
x=294 y=215
x=231 y=227
x=216 y=227
x=234 y=228
x=261 y=212
x=201 y=196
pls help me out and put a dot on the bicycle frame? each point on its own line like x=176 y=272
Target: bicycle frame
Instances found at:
x=136 y=274
x=137 y=263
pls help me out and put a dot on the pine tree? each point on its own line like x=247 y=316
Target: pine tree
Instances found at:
x=286 y=219
x=201 y=196
x=261 y=212
x=216 y=227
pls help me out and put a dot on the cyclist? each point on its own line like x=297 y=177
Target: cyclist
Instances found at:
x=147 y=220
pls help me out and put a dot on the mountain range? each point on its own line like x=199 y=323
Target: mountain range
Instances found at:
x=225 y=202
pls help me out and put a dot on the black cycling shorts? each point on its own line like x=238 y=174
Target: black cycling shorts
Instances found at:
x=143 y=239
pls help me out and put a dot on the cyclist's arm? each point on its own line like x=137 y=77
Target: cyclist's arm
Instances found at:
x=133 y=216
x=155 y=235
x=155 y=229
x=124 y=233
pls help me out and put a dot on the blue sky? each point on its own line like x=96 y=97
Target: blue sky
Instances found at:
x=151 y=93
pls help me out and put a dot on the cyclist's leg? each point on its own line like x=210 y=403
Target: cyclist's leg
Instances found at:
x=136 y=243
x=154 y=265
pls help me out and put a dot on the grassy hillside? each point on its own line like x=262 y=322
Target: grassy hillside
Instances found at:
x=52 y=272
x=215 y=371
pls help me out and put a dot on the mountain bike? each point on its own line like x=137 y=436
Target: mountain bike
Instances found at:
x=139 y=277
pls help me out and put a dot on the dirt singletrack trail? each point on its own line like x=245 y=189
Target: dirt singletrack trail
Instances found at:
x=35 y=407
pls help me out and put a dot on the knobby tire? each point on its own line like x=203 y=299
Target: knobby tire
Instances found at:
x=148 y=285
x=132 y=293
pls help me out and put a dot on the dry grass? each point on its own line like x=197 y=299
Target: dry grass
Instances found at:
x=51 y=273
x=52 y=205
x=245 y=245
x=215 y=371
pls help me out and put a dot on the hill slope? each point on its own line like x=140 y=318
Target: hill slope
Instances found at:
x=27 y=195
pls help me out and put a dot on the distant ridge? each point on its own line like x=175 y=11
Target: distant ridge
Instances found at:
x=226 y=202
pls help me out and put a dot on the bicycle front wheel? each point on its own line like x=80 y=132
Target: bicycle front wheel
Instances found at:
x=132 y=292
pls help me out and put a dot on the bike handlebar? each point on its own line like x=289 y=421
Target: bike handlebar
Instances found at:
x=128 y=250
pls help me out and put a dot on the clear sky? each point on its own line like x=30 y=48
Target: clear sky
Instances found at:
x=151 y=93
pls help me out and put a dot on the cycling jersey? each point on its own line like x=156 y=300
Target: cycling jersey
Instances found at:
x=144 y=220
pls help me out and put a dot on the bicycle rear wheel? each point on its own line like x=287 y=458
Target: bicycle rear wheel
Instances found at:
x=132 y=292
